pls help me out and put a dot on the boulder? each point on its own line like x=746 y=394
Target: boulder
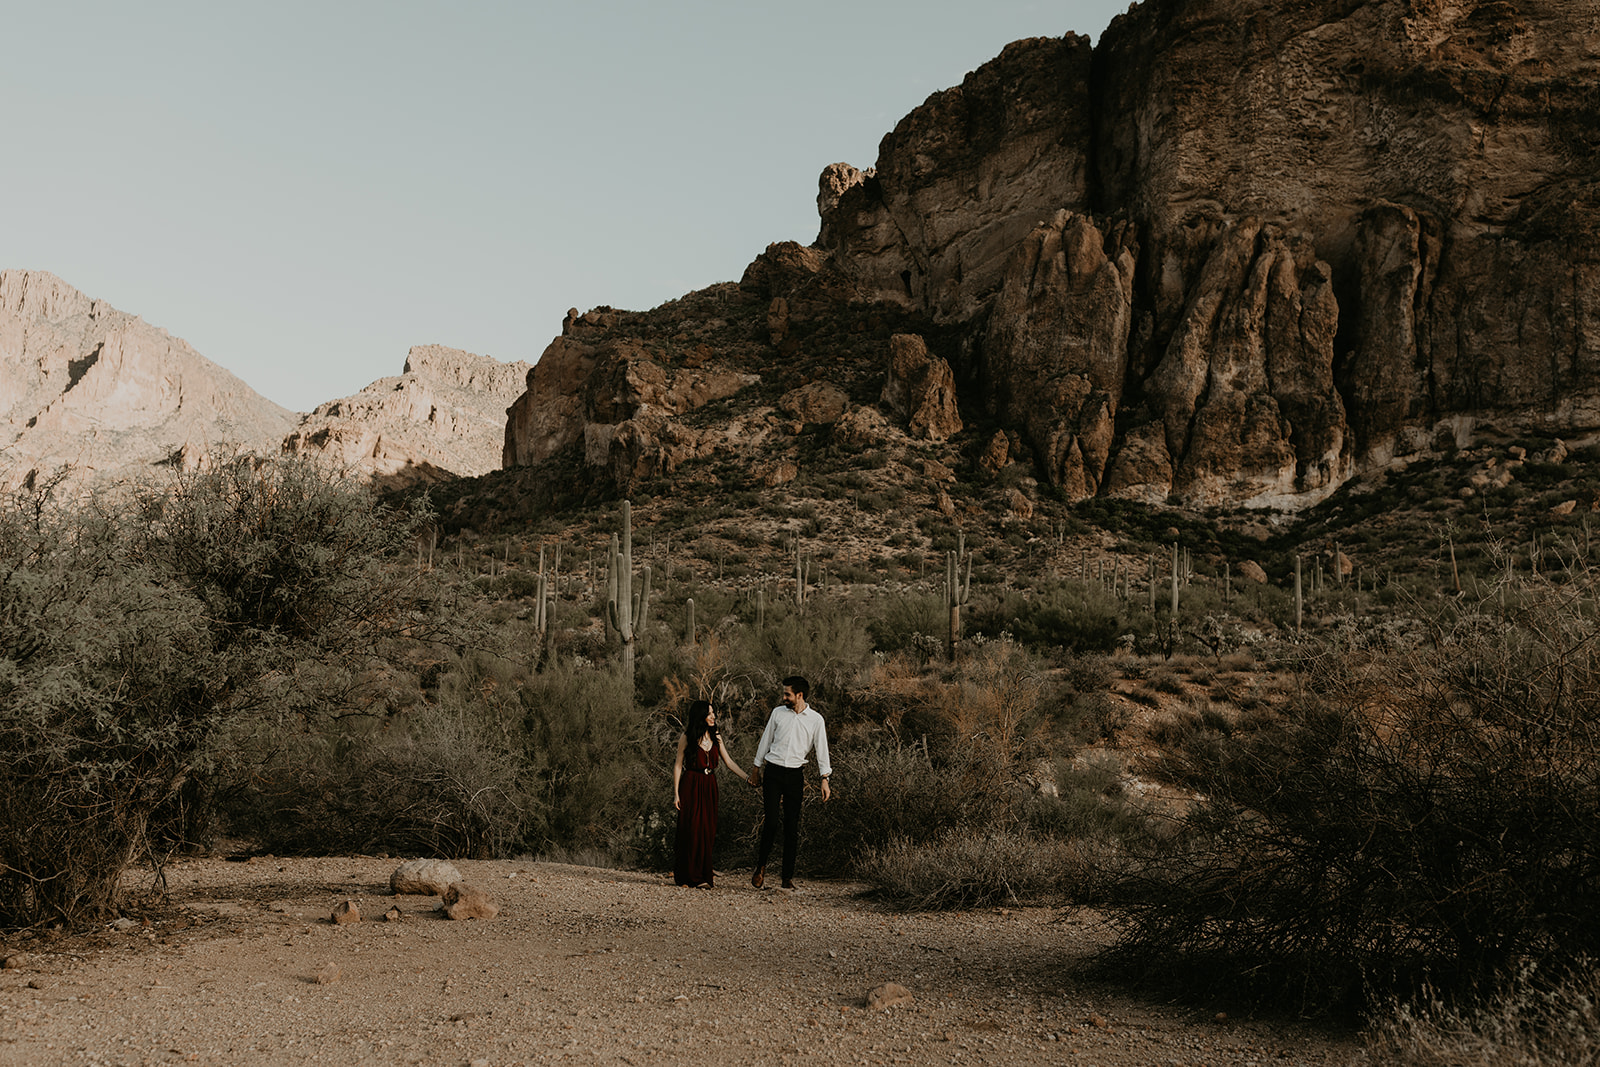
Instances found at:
x=345 y=913
x=423 y=877
x=462 y=901
x=888 y=995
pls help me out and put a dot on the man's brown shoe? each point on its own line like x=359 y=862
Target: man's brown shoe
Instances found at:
x=787 y=884
x=759 y=879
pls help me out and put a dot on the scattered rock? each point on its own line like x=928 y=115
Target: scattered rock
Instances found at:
x=1564 y=508
x=423 y=878
x=461 y=901
x=16 y=960
x=345 y=913
x=1252 y=571
x=329 y=974
x=997 y=454
x=861 y=428
x=1098 y=1021
x=392 y=915
x=887 y=996
x=778 y=473
x=818 y=402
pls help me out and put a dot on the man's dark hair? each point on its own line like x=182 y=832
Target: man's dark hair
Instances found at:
x=798 y=684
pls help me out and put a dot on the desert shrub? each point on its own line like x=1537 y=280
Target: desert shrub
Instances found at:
x=590 y=755
x=1094 y=717
x=826 y=641
x=1415 y=811
x=885 y=793
x=1529 y=1021
x=1071 y=615
x=898 y=619
x=110 y=682
x=967 y=869
x=440 y=781
x=1086 y=672
x=127 y=642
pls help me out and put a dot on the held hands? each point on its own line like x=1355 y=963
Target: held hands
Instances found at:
x=754 y=778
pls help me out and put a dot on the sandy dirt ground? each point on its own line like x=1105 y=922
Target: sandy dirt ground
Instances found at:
x=588 y=966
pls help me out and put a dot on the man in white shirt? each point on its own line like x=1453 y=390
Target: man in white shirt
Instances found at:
x=793 y=730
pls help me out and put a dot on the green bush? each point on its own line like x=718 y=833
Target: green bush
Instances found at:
x=1074 y=616
x=899 y=619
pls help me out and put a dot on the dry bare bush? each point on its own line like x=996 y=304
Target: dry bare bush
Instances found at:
x=1419 y=811
x=966 y=869
x=1530 y=1022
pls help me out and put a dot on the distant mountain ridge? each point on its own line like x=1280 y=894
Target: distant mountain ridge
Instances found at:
x=443 y=416
x=109 y=397
x=86 y=386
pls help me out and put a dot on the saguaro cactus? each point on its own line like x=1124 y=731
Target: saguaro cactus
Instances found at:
x=544 y=610
x=956 y=591
x=626 y=611
x=1176 y=565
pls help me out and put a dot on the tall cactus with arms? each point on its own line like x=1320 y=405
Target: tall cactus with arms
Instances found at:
x=625 y=610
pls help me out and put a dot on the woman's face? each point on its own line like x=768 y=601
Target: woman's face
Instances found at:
x=711 y=716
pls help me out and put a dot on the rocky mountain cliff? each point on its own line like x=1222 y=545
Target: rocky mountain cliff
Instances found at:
x=86 y=386
x=1236 y=254
x=109 y=397
x=444 y=416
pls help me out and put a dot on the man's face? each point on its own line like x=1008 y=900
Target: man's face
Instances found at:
x=788 y=697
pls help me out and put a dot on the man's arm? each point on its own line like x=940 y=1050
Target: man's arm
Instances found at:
x=824 y=768
x=765 y=743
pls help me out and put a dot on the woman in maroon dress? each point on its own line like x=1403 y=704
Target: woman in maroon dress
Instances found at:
x=694 y=793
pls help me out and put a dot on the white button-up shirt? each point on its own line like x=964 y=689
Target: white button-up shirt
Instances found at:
x=790 y=735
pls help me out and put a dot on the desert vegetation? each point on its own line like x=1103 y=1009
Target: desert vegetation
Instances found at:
x=1371 y=791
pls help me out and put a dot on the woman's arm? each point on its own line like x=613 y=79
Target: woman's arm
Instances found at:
x=722 y=747
x=677 y=772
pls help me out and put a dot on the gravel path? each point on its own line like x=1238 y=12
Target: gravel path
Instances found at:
x=587 y=966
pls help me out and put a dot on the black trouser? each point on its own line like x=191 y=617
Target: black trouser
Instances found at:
x=781 y=787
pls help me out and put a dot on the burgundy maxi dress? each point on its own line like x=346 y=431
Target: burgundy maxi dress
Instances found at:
x=697 y=816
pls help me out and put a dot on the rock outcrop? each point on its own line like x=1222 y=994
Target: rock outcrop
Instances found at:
x=99 y=391
x=1243 y=249
x=443 y=416
x=615 y=401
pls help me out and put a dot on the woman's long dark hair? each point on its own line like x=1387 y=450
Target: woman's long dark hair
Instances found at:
x=694 y=727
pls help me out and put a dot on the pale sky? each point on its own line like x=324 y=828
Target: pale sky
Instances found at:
x=303 y=191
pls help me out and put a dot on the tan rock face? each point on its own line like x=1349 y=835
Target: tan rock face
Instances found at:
x=443 y=416
x=618 y=402
x=1346 y=224
x=87 y=386
x=963 y=179
x=920 y=390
